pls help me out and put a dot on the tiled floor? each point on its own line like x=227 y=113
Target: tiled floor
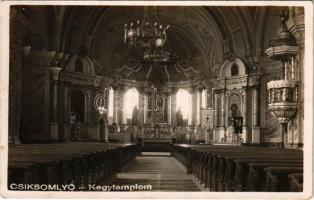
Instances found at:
x=164 y=173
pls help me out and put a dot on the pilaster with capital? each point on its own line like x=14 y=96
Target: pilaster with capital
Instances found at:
x=296 y=24
x=169 y=108
x=194 y=107
x=216 y=107
x=255 y=106
x=222 y=109
x=55 y=90
x=54 y=124
x=199 y=107
x=244 y=104
x=121 y=111
x=115 y=104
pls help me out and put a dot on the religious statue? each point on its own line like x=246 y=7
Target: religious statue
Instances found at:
x=234 y=109
x=179 y=117
x=135 y=116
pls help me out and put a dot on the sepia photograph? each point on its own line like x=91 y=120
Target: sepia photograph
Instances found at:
x=134 y=99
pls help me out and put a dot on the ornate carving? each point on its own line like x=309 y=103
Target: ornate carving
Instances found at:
x=55 y=73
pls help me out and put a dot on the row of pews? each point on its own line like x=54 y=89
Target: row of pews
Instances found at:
x=240 y=168
x=66 y=163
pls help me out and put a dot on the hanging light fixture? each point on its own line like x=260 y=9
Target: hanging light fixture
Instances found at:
x=149 y=36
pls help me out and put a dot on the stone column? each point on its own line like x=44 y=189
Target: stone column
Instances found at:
x=169 y=108
x=173 y=109
x=222 y=109
x=145 y=108
x=199 y=107
x=194 y=107
x=297 y=29
x=226 y=107
x=121 y=117
x=142 y=107
x=216 y=108
x=116 y=101
x=106 y=93
x=255 y=106
x=153 y=104
x=54 y=124
x=211 y=98
x=103 y=128
x=244 y=115
x=244 y=109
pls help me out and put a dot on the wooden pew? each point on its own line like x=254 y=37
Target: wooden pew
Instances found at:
x=276 y=175
x=226 y=168
x=65 y=163
x=71 y=155
x=296 y=182
x=256 y=178
x=242 y=176
x=48 y=157
x=215 y=160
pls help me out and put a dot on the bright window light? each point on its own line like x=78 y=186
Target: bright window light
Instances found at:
x=110 y=106
x=184 y=103
x=131 y=100
x=204 y=98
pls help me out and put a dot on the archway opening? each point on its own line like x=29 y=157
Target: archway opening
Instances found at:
x=78 y=105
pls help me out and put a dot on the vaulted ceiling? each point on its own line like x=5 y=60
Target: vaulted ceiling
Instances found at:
x=201 y=37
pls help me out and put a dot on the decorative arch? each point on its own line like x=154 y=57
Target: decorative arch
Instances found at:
x=226 y=68
x=234 y=69
x=76 y=62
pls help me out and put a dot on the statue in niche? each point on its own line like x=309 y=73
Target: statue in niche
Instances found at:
x=179 y=117
x=135 y=116
x=234 y=109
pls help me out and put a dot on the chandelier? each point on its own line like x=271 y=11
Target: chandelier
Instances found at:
x=148 y=36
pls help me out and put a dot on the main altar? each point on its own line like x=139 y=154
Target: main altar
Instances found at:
x=158 y=136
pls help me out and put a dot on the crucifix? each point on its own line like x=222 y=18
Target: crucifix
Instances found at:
x=207 y=118
x=207 y=128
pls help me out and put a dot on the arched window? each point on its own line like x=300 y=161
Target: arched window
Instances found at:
x=234 y=70
x=110 y=106
x=79 y=65
x=131 y=100
x=184 y=105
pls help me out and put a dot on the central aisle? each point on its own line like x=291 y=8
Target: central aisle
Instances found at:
x=164 y=173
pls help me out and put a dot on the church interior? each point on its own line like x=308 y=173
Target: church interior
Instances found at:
x=182 y=98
